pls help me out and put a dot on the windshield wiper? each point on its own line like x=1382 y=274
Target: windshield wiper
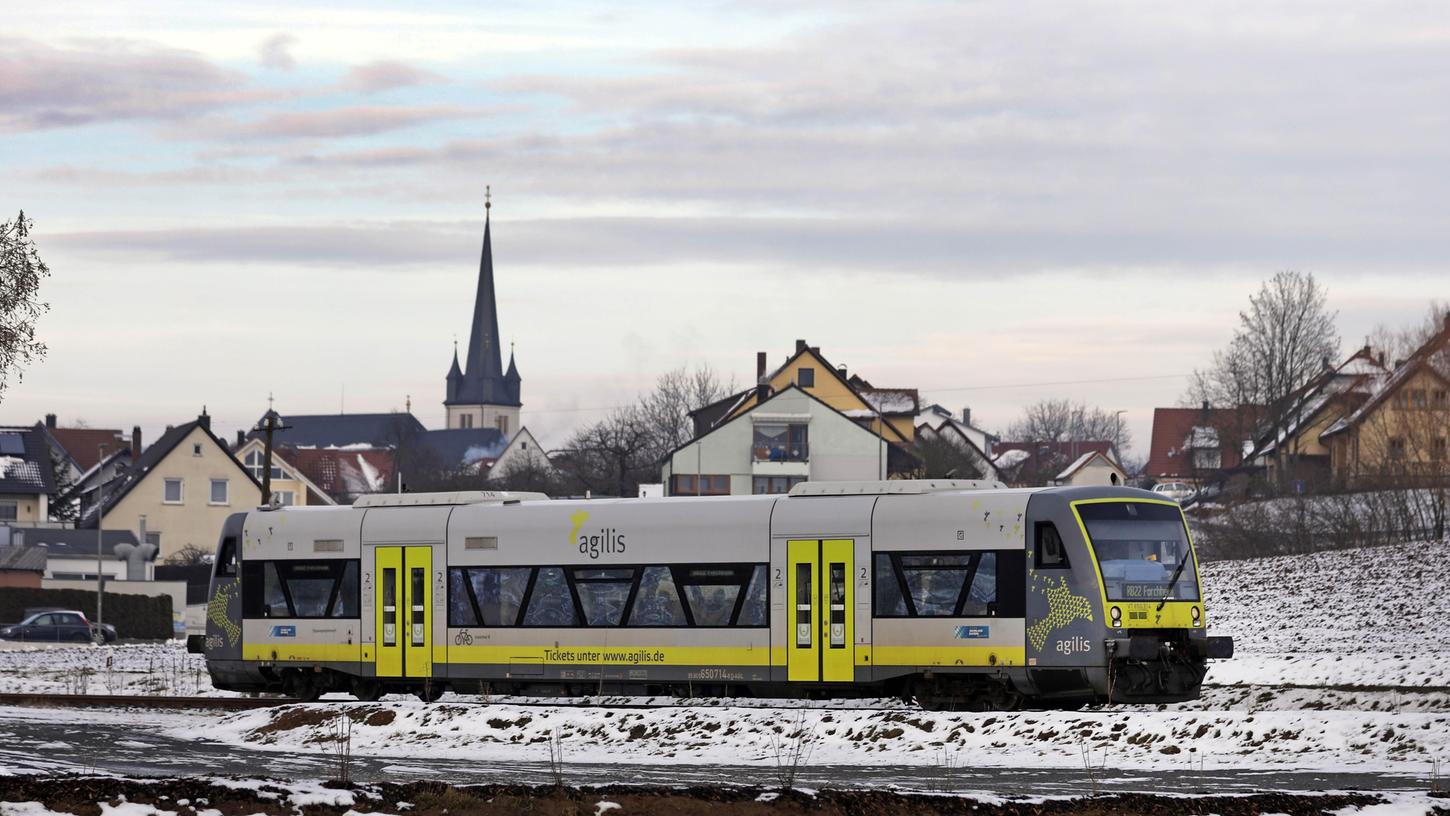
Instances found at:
x=1177 y=573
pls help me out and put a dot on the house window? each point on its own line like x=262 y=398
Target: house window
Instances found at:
x=806 y=377
x=503 y=424
x=1397 y=447
x=1398 y=400
x=465 y=420
x=284 y=497
x=1441 y=399
x=772 y=485
x=9 y=511
x=196 y=449
x=1207 y=459
x=254 y=464
x=1417 y=399
x=154 y=539
x=780 y=443
x=690 y=484
x=171 y=491
x=219 y=491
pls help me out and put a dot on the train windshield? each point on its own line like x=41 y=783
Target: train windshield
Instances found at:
x=1140 y=548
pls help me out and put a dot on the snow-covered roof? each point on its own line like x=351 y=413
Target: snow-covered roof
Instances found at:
x=1011 y=458
x=1080 y=463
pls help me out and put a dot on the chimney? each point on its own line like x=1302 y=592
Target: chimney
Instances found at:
x=241 y=437
x=205 y=419
x=1382 y=358
x=841 y=369
x=800 y=346
x=759 y=367
x=966 y=415
x=50 y=421
x=135 y=442
x=1447 y=321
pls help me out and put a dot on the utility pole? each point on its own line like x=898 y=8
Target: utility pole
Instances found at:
x=268 y=427
x=101 y=531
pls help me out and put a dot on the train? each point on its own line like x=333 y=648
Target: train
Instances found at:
x=958 y=594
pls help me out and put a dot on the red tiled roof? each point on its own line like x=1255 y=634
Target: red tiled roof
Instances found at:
x=342 y=473
x=84 y=444
x=1172 y=427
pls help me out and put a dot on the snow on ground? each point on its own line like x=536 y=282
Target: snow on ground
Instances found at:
x=1147 y=739
x=1363 y=617
x=156 y=669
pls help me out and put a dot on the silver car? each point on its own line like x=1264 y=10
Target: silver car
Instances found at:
x=1177 y=491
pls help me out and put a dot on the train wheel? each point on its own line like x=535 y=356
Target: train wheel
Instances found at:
x=366 y=689
x=303 y=687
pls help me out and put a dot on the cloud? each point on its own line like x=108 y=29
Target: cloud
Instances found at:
x=885 y=248
x=275 y=52
x=384 y=75
x=44 y=87
x=336 y=123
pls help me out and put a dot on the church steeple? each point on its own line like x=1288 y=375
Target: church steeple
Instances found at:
x=481 y=382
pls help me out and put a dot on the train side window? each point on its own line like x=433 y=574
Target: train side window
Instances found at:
x=226 y=559
x=1051 y=554
x=552 y=604
x=345 y=596
x=461 y=608
x=603 y=593
x=980 y=599
x=752 y=612
x=890 y=601
x=657 y=603
x=274 y=597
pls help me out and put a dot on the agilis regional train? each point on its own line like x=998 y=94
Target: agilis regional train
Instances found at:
x=958 y=594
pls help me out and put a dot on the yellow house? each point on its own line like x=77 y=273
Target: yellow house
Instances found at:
x=27 y=482
x=1403 y=430
x=1335 y=393
x=290 y=486
x=179 y=491
x=887 y=412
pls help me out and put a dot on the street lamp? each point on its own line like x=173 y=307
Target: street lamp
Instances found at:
x=100 y=532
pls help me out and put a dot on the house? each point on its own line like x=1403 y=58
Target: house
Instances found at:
x=341 y=475
x=21 y=566
x=1400 y=429
x=27 y=476
x=79 y=449
x=936 y=425
x=1194 y=445
x=522 y=451
x=1036 y=464
x=178 y=492
x=289 y=484
x=1335 y=393
x=1092 y=468
x=780 y=440
x=887 y=413
x=939 y=420
x=70 y=554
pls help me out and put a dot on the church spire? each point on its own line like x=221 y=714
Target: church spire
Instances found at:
x=485 y=358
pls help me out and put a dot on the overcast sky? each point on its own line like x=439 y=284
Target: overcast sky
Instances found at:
x=993 y=203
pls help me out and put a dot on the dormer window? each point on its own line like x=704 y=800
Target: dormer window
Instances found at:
x=805 y=377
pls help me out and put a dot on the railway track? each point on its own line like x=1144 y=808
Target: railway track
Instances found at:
x=119 y=700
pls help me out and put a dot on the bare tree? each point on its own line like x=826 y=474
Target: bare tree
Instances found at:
x=1061 y=420
x=1285 y=338
x=611 y=456
x=1400 y=343
x=21 y=271
x=666 y=409
x=189 y=555
x=944 y=458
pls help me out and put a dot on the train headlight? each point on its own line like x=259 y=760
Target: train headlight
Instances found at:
x=1197 y=615
x=1117 y=616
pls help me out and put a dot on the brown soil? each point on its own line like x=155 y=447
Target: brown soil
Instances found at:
x=80 y=795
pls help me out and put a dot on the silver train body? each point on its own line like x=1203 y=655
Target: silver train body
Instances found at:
x=958 y=594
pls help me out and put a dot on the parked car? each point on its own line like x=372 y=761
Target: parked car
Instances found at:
x=1177 y=491
x=59 y=626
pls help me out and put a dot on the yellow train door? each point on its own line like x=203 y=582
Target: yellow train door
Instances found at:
x=404 y=611
x=822 y=621
x=388 y=562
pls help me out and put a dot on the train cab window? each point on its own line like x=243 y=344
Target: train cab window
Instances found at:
x=226 y=557
x=1051 y=554
x=551 y=603
x=657 y=603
